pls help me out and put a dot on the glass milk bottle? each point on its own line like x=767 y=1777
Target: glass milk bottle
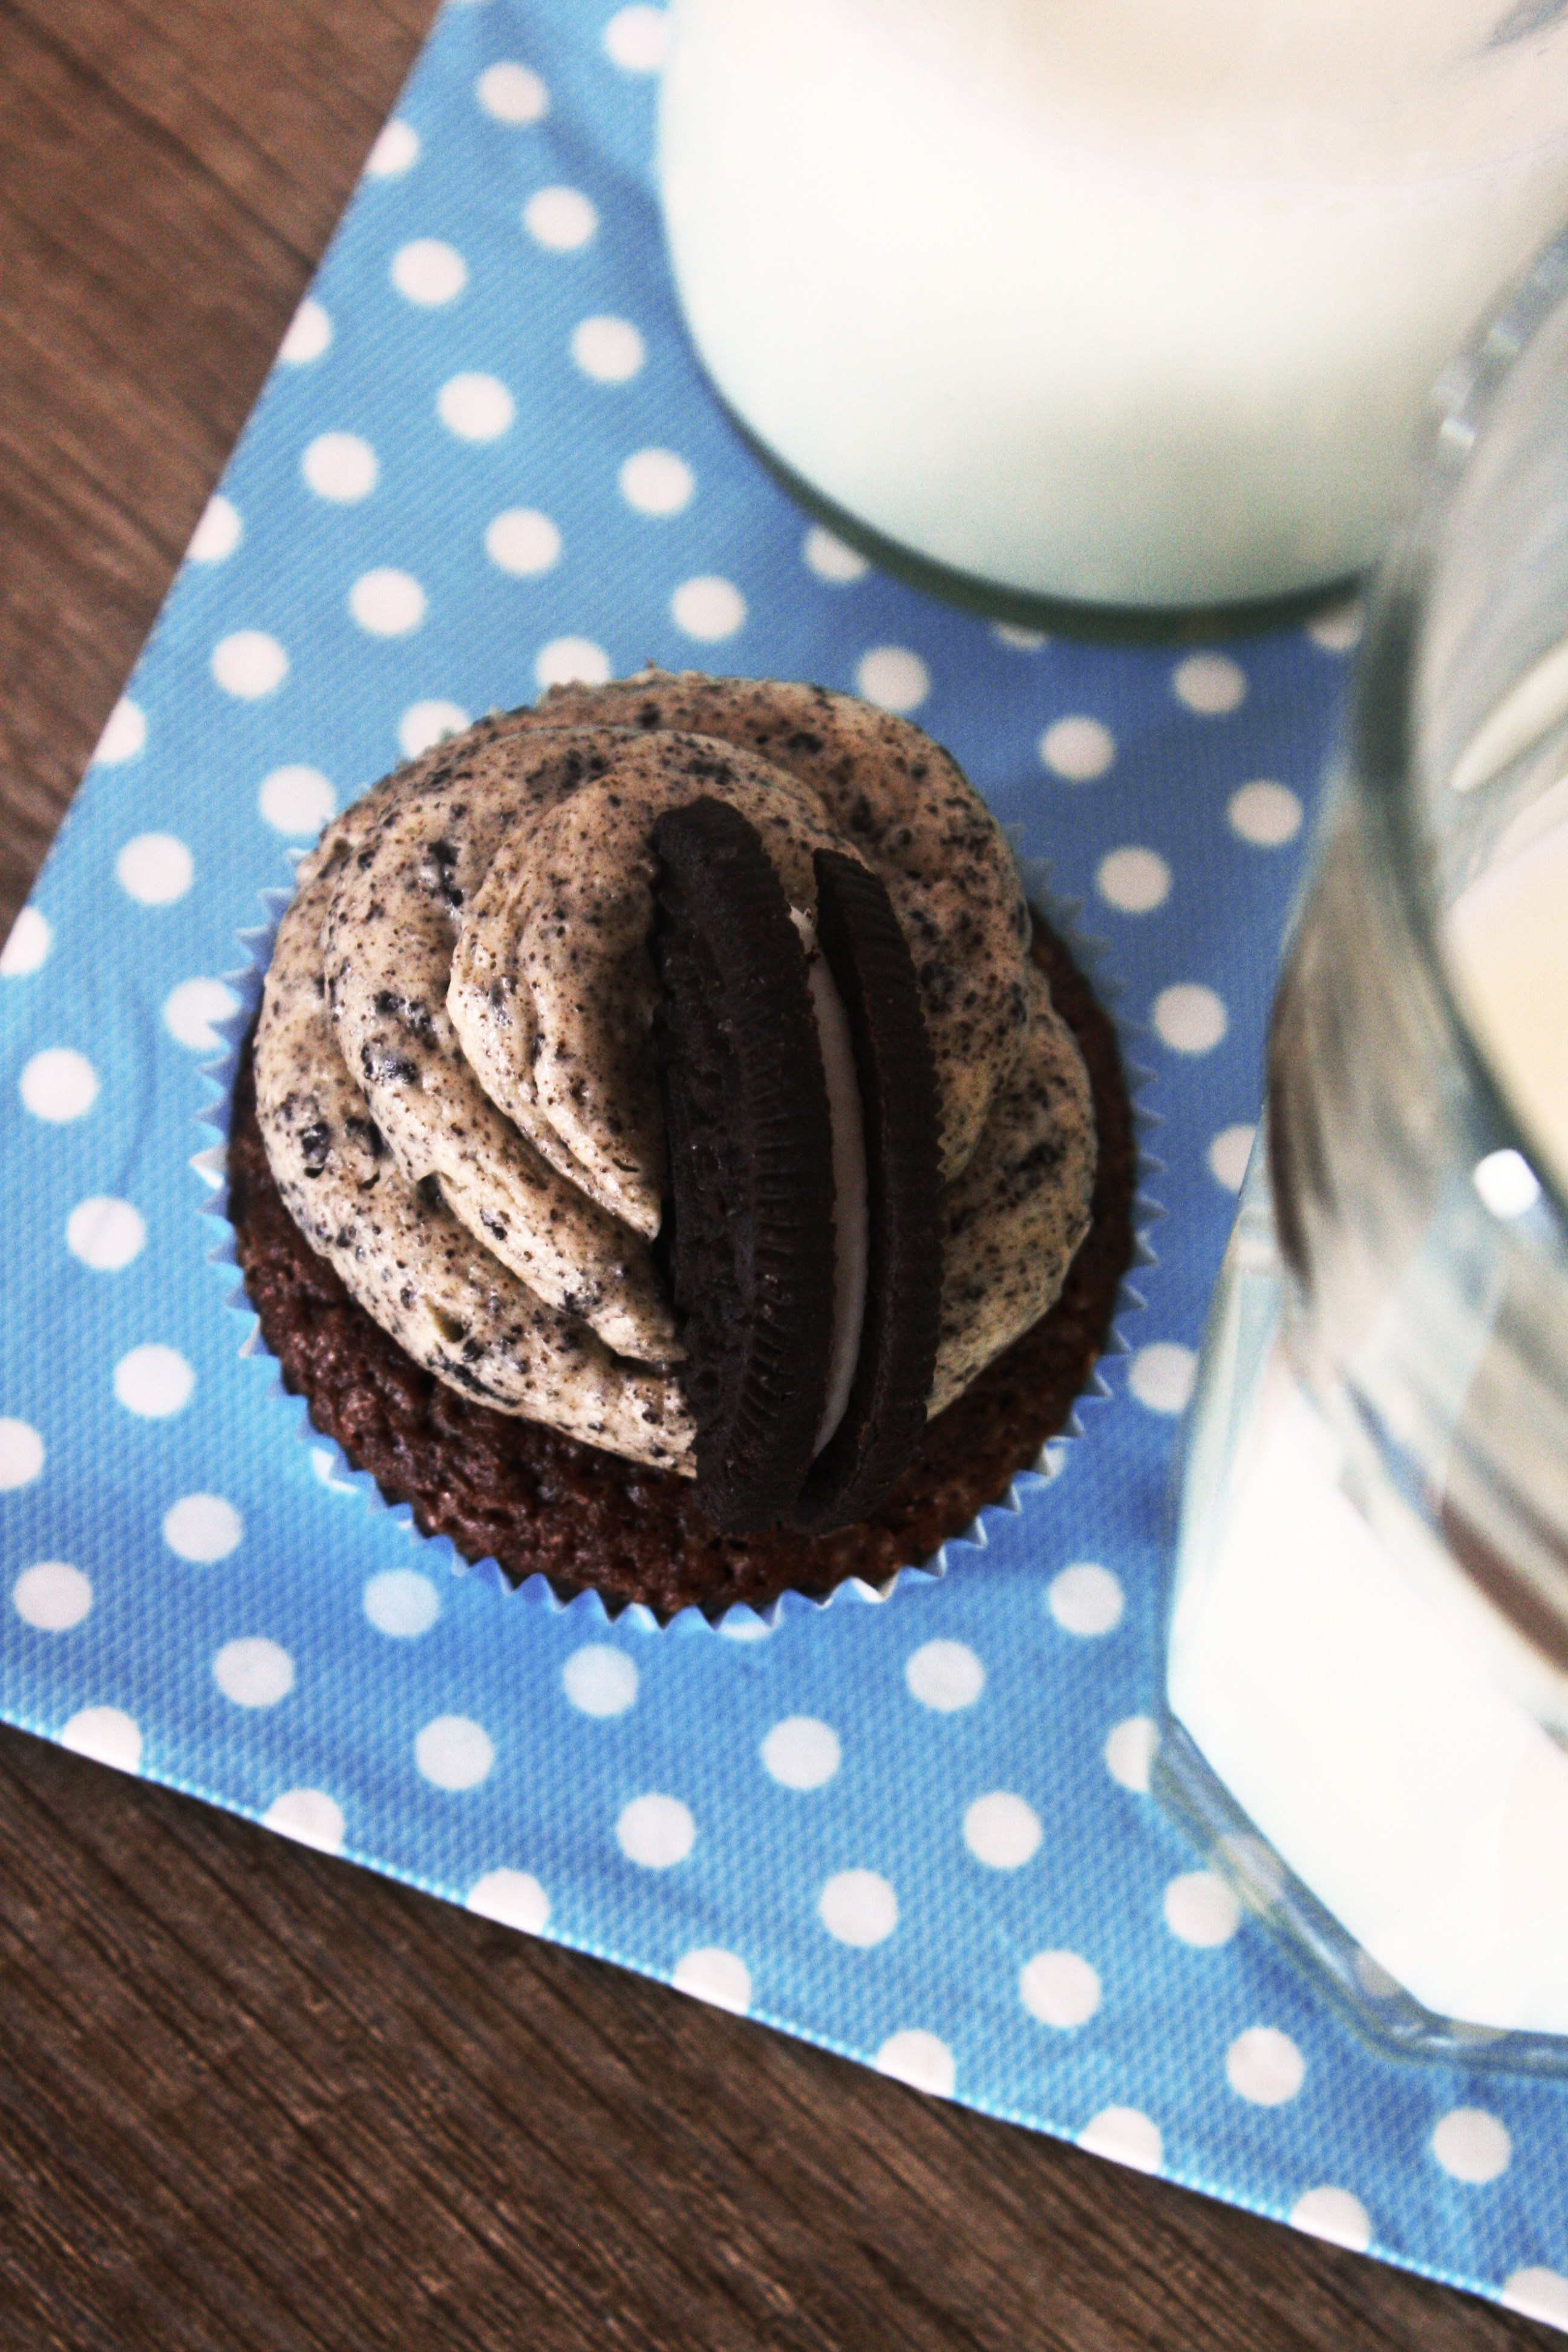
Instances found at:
x=1367 y=1661
x=1123 y=302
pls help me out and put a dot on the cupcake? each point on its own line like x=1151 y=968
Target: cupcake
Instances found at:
x=669 y=1155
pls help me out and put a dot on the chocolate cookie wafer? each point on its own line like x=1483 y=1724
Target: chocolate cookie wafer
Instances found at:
x=801 y=1227
x=876 y=1437
x=749 y=1229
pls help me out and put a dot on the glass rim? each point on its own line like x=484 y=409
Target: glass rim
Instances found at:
x=1382 y=720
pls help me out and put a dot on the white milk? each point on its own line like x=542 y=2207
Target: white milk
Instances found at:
x=1508 y=936
x=1123 y=301
x=1357 y=1725
x=1342 y=1688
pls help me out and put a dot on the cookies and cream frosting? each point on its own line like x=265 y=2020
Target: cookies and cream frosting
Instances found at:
x=456 y=1079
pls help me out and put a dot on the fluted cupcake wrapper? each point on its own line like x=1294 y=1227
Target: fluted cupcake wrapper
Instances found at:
x=594 y=1611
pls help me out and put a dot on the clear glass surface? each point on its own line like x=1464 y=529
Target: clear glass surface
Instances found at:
x=1367 y=1658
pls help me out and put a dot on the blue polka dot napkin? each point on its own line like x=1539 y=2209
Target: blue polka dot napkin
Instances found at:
x=918 y=1833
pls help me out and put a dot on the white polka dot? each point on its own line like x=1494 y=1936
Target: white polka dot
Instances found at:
x=307 y=1815
x=1059 y=1989
x=1537 y=2293
x=1162 y=1374
x=190 y=1010
x=396 y=151
x=1339 y=630
x=656 y=1832
x=1017 y=640
x=608 y=350
x=153 y=1381
x=921 y=2060
x=946 y=1675
x=1507 y=1183
x=1201 y=1909
x=429 y=272
x=341 y=466
x=1124 y=2136
x=1134 y=880
x=1211 y=684
x=59 y=1084
x=203 y=1528
x=21 y=1454
x=742 y=1624
x=1002 y=1831
x=830 y=559
x=1334 y=2214
x=1078 y=749
x=296 y=800
x=108 y=1735
x=571 y=661
x=858 y=1908
x=1228 y=1155
x=524 y=541
x=424 y=724
x=512 y=94
x=387 y=603
x=656 y=482
x=105 y=1234
x=599 y=1680
x=513 y=1898
x=52 y=1596
x=1190 y=1018
x=801 y=1753
x=454 y=1752
x=708 y=609
x=124 y=734
x=1264 y=2066
x=218 y=533
x=27 y=946
x=892 y=677
x=560 y=219
x=249 y=664
x=155 y=869
x=309 y=334
x=1266 y=815
x=475 y=407
x=714 y=1975
x=1130 y=1752
x=635 y=39
x=1086 y=1600
x=1472 y=2146
x=402 y=1603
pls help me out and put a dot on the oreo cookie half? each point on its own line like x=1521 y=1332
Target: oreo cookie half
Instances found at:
x=749 y=1226
x=809 y=1320
x=879 y=1431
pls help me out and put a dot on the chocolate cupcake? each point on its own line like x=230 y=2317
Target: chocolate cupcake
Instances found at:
x=664 y=1154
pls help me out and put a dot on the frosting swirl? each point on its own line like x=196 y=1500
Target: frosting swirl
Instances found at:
x=455 y=1069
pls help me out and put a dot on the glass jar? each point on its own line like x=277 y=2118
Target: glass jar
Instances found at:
x=1125 y=303
x=1366 y=1673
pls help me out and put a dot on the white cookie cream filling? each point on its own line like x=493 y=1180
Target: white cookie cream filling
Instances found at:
x=851 y=1212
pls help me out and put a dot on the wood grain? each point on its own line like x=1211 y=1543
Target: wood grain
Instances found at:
x=250 y=2097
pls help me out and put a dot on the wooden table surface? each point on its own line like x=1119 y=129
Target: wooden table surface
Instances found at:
x=252 y=2097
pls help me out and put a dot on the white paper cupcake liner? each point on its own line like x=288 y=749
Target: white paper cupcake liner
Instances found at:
x=739 y=1621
